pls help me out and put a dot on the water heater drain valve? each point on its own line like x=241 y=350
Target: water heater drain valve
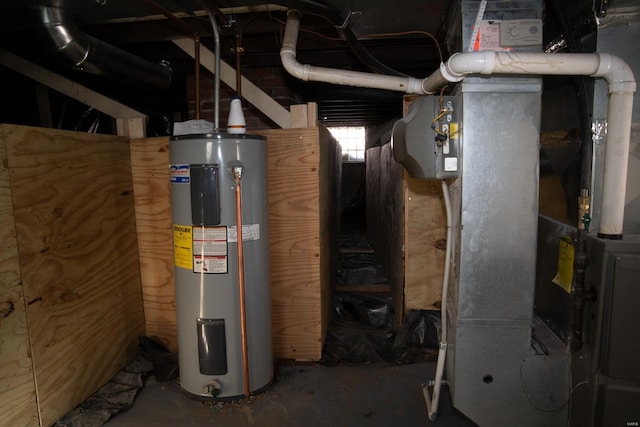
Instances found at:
x=214 y=388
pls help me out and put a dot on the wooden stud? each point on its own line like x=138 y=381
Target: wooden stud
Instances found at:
x=252 y=93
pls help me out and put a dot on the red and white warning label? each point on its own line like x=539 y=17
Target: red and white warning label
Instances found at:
x=210 y=250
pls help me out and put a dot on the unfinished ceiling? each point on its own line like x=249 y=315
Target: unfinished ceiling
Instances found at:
x=403 y=37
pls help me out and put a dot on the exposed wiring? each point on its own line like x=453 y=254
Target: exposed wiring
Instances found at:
x=441 y=136
x=373 y=35
x=441 y=98
x=315 y=33
x=434 y=125
x=365 y=56
x=544 y=410
x=407 y=33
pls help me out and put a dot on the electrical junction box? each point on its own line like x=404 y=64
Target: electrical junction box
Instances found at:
x=427 y=140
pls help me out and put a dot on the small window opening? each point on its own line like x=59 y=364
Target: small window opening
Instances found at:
x=352 y=141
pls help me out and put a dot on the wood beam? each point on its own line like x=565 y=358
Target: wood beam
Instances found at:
x=252 y=93
x=106 y=105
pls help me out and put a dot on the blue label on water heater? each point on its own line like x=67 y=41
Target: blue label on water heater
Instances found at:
x=179 y=174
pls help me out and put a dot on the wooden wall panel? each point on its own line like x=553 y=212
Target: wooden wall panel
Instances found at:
x=425 y=243
x=353 y=182
x=150 y=170
x=17 y=390
x=373 y=196
x=393 y=257
x=303 y=238
x=386 y=219
x=330 y=182
x=75 y=222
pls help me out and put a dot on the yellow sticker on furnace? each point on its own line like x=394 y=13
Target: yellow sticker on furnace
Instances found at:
x=183 y=246
x=564 y=277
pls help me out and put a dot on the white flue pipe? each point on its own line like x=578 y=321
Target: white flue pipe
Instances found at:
x=616 y=162
x=331 y=75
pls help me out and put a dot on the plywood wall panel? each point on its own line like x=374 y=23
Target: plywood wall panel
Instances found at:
x=330 y=182
x=386 y=219
x=393 y=257
x=373 y=197
x=295 y=247
x=75 y=223
x=150 y=171
x=17 y=389
x=425 y=243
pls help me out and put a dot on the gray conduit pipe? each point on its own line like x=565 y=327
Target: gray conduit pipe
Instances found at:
x=216 y=76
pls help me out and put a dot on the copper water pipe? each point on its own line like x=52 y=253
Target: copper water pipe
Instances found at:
x=196 y=41
x=237 y=175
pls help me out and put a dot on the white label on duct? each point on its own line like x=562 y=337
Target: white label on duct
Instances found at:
x=489 y=36
x=521 y=32
x=450 y=164
x=249 y=232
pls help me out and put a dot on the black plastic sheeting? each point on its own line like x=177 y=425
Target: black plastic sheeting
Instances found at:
x=362 y=329
x=120 y=392
x=114 y=397
x=362 y=332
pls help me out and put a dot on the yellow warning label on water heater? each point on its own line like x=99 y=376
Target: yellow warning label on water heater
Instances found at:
x=564 y=277
x=183 y=246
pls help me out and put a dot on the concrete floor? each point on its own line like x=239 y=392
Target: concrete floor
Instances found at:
x=303 y=395
x=357 y=392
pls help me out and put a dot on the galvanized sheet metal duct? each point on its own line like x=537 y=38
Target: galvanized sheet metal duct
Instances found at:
x=85 y=53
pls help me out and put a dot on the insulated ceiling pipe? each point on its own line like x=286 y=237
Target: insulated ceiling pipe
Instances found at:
x=614 y=70
x=86 y=53
x=622 y=87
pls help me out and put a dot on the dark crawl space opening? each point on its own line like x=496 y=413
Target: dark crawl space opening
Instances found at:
x=362 y=329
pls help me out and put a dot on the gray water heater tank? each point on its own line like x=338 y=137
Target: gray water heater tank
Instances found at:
x=203 y=200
